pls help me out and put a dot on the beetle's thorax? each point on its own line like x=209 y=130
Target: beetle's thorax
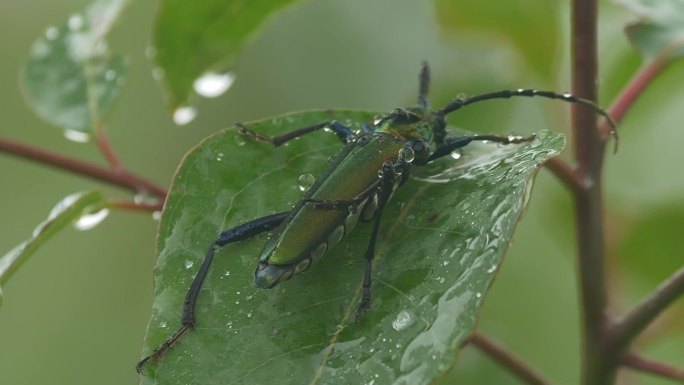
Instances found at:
x=413 y=123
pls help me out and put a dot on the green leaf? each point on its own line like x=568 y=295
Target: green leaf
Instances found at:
x=71 y=79
x=513 y=23
x=66 y=212
x=442 y=238
x=660 y=29
x=194 y=38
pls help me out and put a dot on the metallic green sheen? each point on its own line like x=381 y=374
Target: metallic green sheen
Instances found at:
x=351 y=172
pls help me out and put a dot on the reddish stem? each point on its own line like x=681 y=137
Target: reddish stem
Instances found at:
x=653 y=367
x=623 y=332
x=120 y=178
x=507 y=359
x=634 y=89
x=565 y=173
x=596 y=366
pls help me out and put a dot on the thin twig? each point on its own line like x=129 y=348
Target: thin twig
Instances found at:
x=636 y=362
x=120 y=178
x=623 y=331
x=563 y=171
x=107 y=151
x=136 y=206
x=507 y=359
x=636 y=86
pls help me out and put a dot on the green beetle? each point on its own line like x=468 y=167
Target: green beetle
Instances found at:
x=358 y=183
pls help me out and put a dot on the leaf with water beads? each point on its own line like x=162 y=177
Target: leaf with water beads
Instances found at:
x=442 y=238
x=68 y=211
x=71 y=79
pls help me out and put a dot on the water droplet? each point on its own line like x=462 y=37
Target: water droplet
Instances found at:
x=184 y=115
x=402 y=321
x=456 y=154
x=567 y=95
x=219 y=156
x=110 y=75
x=239 y=140
x=305 y=181
x=89 y=221
x=158 y=73
x=461 y=96
x=211 y=85
x=75 y=22
x=227 y=273
x=52 y=33
x=478 y=294
x=156 y=215
x=150 y=52
x=163 y=324
x=188 y=264
x=407 y=154
x=249 y=315
x=491 y=269
x=77 y=136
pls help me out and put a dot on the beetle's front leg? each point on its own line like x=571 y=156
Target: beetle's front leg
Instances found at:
x=451 y=144
x=343 y=132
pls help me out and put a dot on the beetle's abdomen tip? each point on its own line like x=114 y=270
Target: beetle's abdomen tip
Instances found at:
x=268 y=276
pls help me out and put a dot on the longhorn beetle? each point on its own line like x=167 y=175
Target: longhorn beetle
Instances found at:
x=356 y=187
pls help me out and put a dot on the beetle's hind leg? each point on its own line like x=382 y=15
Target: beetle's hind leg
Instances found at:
x=188 y=319
x=389 y=176
x=343 y=132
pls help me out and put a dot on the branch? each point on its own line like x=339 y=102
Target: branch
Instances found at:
x=653 y=367
x=506 y=359
x=623 y=331
x=566 y=174
x=589 y=147
x=633 y=90
x=120 y=178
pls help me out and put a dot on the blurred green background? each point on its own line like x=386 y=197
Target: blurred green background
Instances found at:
x=77 y=311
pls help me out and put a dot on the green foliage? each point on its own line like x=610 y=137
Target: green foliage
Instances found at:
x=502 y=24
x=443 y=237
x=71 y=79
x=192 y=38
x=660 y=28
x=66 y=212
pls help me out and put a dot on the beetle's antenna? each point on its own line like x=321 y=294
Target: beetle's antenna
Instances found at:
x=505 y=94
x=424 y=84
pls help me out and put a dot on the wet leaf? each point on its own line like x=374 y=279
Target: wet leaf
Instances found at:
x=71 y=78
x=442 y=239
x=660 y=29
x=193 y=38
x=65 y=213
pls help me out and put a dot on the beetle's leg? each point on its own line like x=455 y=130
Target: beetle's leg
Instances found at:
x=451 y=144
x=343 y=132
x=389 y=174
x=188 y=320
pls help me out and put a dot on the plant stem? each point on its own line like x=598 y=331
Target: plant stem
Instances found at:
x=634 y=89
x=653 y=367
x=120 y=178
x=623 y=331
x=107 y=151
x=565 y=173
x=507 y=359
x=589 y=148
